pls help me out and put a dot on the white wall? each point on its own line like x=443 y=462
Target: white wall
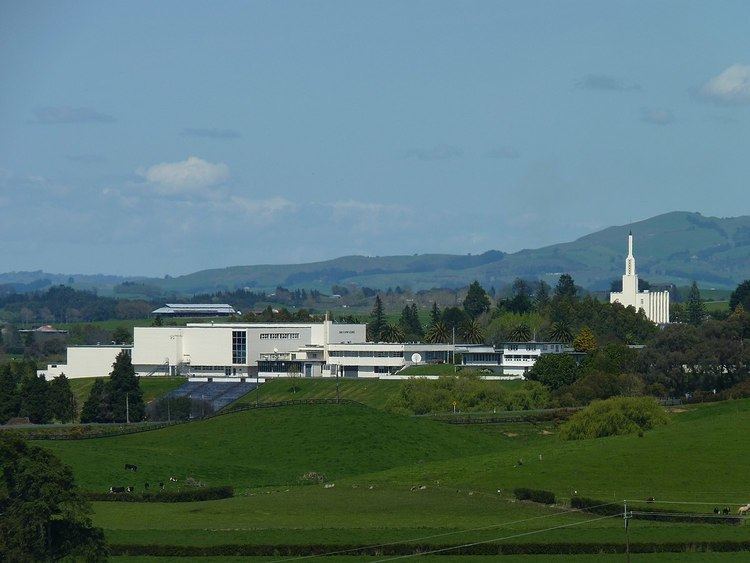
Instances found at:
x=86 y=361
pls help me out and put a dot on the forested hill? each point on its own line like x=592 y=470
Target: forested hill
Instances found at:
x=676 y=247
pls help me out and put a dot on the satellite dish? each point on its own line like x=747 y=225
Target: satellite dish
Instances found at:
x=416 y=358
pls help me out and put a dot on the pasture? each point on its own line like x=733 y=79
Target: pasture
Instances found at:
x=378 y=461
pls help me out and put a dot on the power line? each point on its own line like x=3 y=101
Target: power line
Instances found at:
x=433 y=536
x=451 y=548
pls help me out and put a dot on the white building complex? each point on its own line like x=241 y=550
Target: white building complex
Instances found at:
x=240 y=352
x=654 y=303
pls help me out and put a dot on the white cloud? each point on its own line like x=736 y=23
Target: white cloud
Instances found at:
x=193 y=174
x=657 y=116
x=730 y=87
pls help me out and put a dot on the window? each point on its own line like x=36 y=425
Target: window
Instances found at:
x=279 y=335
x=239 y=347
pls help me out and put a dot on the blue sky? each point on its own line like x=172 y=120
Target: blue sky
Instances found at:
x=166 y=137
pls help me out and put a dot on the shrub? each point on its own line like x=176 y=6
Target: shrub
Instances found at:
x=535 y=495
x=615 y=416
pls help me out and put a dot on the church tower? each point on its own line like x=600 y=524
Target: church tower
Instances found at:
x=655 y=304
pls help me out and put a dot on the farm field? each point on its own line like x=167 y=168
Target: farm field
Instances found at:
x=597 y=558
x=375 y=459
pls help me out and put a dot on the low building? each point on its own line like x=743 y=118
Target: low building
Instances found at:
x=247 y=351
x=195 y=310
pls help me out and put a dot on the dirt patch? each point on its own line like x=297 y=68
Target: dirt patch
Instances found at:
x=546 y=433
x=510 y=434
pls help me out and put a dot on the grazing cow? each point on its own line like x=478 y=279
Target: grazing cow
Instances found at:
x=716 y=510
x=129 y=489
x=161 y=485
x=329 y=486
x=173 y=479
x=742 y=510
x=115 y=490
x=131 y=467
x=725 y=510
x=650 y=499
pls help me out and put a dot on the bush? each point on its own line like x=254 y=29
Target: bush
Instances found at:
x=535 y=495
x=204 y=493
x=615 y=416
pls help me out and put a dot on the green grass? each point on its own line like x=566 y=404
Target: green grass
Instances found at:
x=702 y=456
x=271 y=447
x=372 y=392
x=442 y=558
x=152 y=387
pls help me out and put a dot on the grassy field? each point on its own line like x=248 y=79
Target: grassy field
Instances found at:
x=374 y=459
x=442 y=558
x=152 y=387
x=374 y=393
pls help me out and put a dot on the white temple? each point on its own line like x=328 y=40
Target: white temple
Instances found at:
x=654 y=303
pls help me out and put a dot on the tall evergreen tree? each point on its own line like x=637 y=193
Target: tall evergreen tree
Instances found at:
x=695 y=309
x=409 y=323
x=126 y=394
x=9 y=398
x=566 y=287
x=34 y=399
x=62 y=402
x=97 y=407
x=377 y=320
x=541 y=297
x=434 y=314
x=476 y=301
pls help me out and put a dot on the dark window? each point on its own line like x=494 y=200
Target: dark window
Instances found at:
x=239 y=347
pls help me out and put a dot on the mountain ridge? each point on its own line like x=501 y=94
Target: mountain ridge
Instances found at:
x=675 y=247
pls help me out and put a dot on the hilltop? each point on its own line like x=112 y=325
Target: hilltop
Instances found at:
x=676 y=247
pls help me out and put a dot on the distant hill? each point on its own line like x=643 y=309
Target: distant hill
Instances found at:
x=676 y=247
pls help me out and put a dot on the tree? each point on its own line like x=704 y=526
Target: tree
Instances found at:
x=434 y=314
x=695 y=310
x=585 y=341
x=125 y=391
x=541 y=297
x=520 y=333
x=34 y=399
x=476 y=301
x=98 y=406
x=472 y=333
x=740 y=296
x=121 y=335
x=437 y=333
x=157 y=321
x=44 y=516
x=62 y=402
x=377 y=320
x=9 y=398
x=454 y=318
x=554 y=370
x=409 y=323
x=560 y=332
x=392 y=333
x=566 y=287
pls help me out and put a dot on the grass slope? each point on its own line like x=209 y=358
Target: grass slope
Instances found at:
x=270 y=447
x=702 y=455
x=374 y=393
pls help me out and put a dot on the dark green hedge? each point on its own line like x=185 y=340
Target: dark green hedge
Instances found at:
x=595 y=507
x=411 y=549
x=535 y=495
x=193 y=495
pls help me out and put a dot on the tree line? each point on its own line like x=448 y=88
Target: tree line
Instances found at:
x=28 y=395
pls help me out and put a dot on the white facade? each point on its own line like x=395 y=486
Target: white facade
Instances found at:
x=519 y=357
x=87 y=361
x=655 y=304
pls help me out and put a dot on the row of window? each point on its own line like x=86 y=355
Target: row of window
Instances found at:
x=364 y=354
x=534 y=346
x=239 y=347
x=521 y=358
x=279 y=335
x=482 y=357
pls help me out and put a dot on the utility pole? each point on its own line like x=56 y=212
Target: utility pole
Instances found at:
x=127 y=408
x=257 y=388
x=626 y=517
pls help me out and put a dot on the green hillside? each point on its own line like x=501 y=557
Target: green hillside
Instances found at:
x=675 y=247
x=270 y=447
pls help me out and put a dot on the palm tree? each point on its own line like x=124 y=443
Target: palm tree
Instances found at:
x=520 y=333
x=561 y=332
x=472 y=333
x=392 y=333
x=437 y=333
